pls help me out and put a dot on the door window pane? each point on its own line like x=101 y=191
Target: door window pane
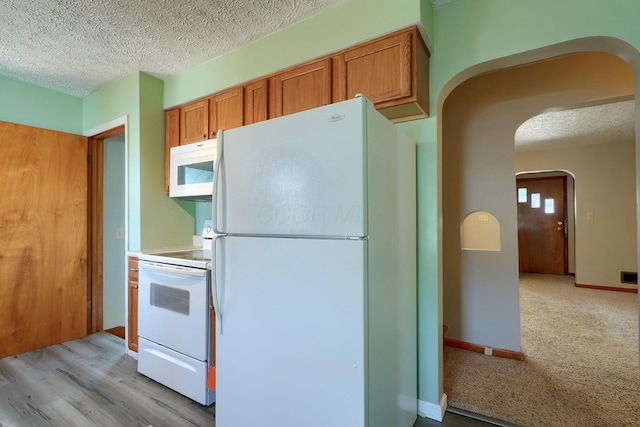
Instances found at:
x=549 y=207
x=535 y=200
x=522 y=195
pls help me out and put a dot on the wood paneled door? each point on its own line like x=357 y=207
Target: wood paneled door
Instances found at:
x=43 y=230
x=542 y=225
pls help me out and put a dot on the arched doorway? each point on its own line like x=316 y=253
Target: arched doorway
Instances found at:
x=479 y=118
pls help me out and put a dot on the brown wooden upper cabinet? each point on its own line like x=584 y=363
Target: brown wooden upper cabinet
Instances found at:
x=300 y=88
x=202 y=119
x=255 y=102
x=391 y=71
x=194 y=121
x=226 y=111
x=242 y=105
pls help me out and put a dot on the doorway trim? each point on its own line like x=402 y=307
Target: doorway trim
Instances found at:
x=95 y=227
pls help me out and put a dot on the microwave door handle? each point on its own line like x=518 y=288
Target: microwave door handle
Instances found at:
x=216 y=179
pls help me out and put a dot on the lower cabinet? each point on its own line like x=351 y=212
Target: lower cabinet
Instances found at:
x=132 y=325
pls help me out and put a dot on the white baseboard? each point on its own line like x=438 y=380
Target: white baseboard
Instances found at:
x=432 y=411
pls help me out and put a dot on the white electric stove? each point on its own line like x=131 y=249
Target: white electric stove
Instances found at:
x=174 y=318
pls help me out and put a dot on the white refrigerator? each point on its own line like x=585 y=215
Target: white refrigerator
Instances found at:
x=314 y=273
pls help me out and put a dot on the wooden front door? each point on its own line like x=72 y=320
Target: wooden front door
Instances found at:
x=43 y=235
x=542 y=231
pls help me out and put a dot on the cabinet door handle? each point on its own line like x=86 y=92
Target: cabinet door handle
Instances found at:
x=135 y=286
x=133 y=269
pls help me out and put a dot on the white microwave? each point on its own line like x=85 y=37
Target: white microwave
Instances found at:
x=191 y=170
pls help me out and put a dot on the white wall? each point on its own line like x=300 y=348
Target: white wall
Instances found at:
x=604 y=186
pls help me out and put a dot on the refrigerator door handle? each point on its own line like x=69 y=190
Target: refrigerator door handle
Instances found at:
x=216 y=180
x=216 y=290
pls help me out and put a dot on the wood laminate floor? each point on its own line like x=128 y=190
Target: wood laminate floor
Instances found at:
x=91 y=382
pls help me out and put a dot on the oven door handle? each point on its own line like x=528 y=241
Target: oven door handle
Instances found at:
x=173 y=269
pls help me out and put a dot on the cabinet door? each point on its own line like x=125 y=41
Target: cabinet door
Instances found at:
x=381 y=71
x=300 y=88
x=172 y=139
x=392 y=72
x=194 y=121
x=255 y=102
x=132 y=309
x=225 y=111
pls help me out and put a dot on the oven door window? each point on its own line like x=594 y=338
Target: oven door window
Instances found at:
x=173 y=307
x=169 y=298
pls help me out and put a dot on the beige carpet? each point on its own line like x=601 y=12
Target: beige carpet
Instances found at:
x=581 y=363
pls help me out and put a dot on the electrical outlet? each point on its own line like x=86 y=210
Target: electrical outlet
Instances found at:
x=488 y=351
x=119 y=233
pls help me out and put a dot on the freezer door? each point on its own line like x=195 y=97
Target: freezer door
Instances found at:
x=291 y=351
x=302 y=174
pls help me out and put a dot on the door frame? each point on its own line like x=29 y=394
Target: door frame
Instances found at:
x=95 y=217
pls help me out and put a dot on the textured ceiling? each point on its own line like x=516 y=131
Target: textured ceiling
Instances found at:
x=78 y=46
x=598 y=124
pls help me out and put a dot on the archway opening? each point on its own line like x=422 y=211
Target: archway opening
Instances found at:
x=479 y=120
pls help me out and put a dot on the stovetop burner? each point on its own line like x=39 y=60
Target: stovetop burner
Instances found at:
x=192 y=255
x=196 y=257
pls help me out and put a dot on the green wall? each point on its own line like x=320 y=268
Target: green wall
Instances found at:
x=138 y=97
x=429 y=285
x=164 y=221
x=115 y=101
x=472 y=32
x=31 y=105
